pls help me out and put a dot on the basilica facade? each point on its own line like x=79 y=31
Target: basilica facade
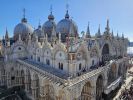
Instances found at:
x=53 y=62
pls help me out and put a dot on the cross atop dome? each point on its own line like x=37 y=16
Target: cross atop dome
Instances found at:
x=51 y=17
x=51 y=9
x=39 y=24
x=67 y=15
x=24 y=20
x=24 y=13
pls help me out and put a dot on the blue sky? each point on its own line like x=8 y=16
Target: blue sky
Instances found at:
x=119 y=12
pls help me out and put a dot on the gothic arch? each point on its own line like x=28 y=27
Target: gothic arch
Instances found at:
x=62 y=95
x=105 y=52
x=112 y=73
x=49 y=93
x=99 y=87
x=12 y=76
x=120 y=69
x=86 y=91
x=28 y=81
x=35 y=86
x=84 y=50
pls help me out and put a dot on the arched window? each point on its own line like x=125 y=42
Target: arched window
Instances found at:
x=47 y=62
x=31 y=57
x=80 y=66
x=93 y=62
x=38 y=59
x=61 y=66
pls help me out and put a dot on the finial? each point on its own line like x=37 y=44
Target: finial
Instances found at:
x=67 y=7
x=24 y=19
x=6 y=36
x=107 y=26
x=117 y=35
x=51 y=9
x=99 y=29
x=51 y=17
x=122 y=36
x=112 y=33
x=67 y=15
x=99 y=32
x=24 y=13
x=88 y=31
x=39 y=24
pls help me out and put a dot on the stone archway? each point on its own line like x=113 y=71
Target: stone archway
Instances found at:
x=12 y=77
x=35 y=87
x=86 y=92
x=49 y=92
x=99 y=87
x=62 y=95
x=112 y=74
x=28 y=81
x=105 y=52
x=120 y=69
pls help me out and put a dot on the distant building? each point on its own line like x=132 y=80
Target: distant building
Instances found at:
x=53 y=63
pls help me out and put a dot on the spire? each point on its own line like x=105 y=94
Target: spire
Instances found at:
x=122 y=36
x=39 y=24
x=117 y=35
x=112 y=34
x=51 y=17
x=24 y=20
x=99 y=32
x=88 y=32
x=107 y=26
x=67 y=15
x=51 y=9
x=7 y=35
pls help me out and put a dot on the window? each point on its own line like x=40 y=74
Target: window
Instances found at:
x=93 y=62
x=31 y=57
x=38 y=59
x=80 y=66
x=61 y=66
x=19 y=48
x=60 y=54
x=47 y=62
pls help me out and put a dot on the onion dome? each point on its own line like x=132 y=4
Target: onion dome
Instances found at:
x=64 y=27
x=48 y=25
x=38 y=32
x=23 y=28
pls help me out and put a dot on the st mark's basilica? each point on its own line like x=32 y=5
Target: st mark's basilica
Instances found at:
x=53 y=62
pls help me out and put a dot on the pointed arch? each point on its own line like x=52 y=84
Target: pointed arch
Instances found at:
x=99 y=87
x=86 y=92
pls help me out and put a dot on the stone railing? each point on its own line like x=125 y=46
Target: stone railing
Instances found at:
x=113 y=85
x=44 y=73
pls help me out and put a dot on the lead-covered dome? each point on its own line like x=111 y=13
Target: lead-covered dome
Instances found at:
x=64 y=27
x=23 y=29
x=39 y=33
x=48 y=25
